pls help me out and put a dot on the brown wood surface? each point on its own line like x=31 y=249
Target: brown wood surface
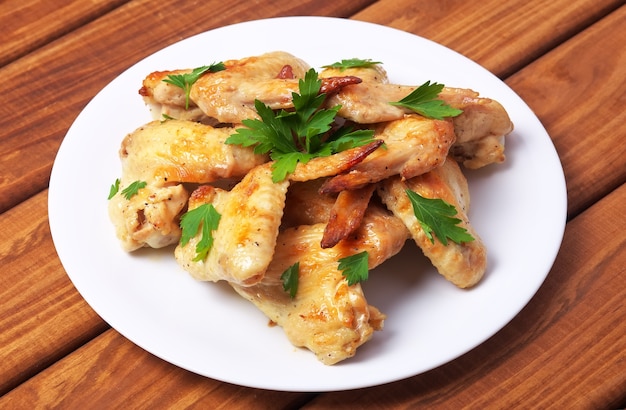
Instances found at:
x=567 y=348
x=29 y=24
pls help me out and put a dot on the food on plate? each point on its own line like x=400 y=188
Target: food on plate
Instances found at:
x=244 y=241
x=329 y=317
x=291 y=185
x=413 y=145
x=461 y=263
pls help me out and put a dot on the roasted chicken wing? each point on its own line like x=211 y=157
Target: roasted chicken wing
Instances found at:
x=150 y=218
x=166 y=152
x=326 y=316
x=244 y=242
x=413 y=145
x=462 y=264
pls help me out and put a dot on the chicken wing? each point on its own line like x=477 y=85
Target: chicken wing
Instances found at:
x=479 y=130
x=326 y=316
x=150 y=218
x=413 y=145
x=244 y=241
x=165 y=152
x=462 y=264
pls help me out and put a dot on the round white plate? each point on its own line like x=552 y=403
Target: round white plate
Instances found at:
x=518 y=208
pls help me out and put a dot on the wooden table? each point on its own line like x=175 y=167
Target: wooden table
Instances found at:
x=567 y=60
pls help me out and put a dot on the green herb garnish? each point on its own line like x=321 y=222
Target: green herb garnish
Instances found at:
x=132 y=189
x=185 y=81
x=290 y=279
x=204 y=218
x=114 y=188
x=352 y=63
x=436 y=215
x=355 y=267
x=423 y=100
x=299 y=135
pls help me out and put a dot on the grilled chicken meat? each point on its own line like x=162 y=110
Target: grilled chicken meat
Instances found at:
x=150 y=218
x=326 y=316
x=413 y=145
x=164 y=155
x=244 y=241
x=165 y=152
x=462 y=264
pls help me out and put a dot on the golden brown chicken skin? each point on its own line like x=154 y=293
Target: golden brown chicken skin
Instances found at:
x=327 y=316
x=462 y=264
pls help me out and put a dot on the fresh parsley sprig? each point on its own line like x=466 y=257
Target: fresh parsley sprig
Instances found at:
x=132 y=189
x=352 y=63
x=437 y=216
x=423 y=100
x=128 y=192
x=114 y=188
x=355 y=267
x=185 y=81
x=205 y=219
x=298 y=135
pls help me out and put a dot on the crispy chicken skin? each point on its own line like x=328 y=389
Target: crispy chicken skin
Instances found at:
x=244 y=241
x=327 y=316
x=462 y=264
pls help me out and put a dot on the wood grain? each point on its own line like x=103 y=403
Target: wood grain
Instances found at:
x=135 y=379
x=536 y=360
x=57 y=81
x=29 y=24
x=502 y=36
x=42 y=316
x=577 y=91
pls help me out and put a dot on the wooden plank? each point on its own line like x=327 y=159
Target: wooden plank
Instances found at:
x=42 y=316
x=577 y=91
x=536 y=360
x=135 y=379
x=29 y=24
x=53 y=84
x=502 y=36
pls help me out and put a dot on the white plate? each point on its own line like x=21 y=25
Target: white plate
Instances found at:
x=518 y=208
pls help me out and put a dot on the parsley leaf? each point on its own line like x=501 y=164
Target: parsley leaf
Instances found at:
x=423 y=100
x=290 y=279
x=436 y=215
x=204 y=218
x=355 y=267
x=133 y=188
x=114 y=188
x=299 y=135
x=185 y=81
x=352 y=63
